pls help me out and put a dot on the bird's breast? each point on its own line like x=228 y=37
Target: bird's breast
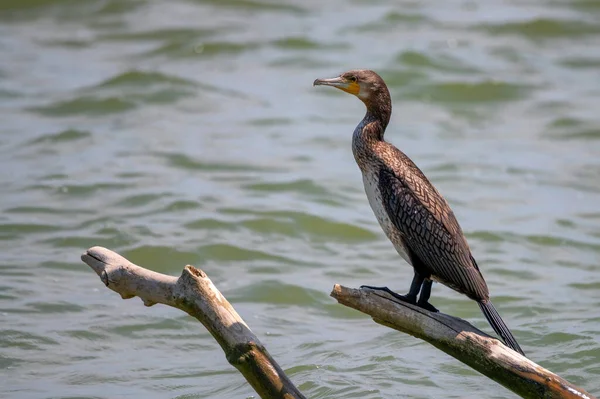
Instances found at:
x=371 y=182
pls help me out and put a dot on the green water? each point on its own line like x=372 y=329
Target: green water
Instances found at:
x=188 y=132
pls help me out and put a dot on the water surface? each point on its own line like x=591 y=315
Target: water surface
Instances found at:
x=189 y=133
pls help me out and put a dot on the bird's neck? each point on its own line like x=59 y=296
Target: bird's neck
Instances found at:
x=369 y=132
x=367 y=137
x=372 y=127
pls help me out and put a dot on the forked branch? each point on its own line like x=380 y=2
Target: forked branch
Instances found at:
x=194 y=293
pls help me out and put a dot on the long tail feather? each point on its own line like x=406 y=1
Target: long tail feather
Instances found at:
x=492 y=316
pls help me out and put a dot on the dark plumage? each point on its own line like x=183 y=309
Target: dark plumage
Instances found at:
x=412 y=213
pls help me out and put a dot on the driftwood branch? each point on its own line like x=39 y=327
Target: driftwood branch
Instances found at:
x=194 y=293
x=462 y=341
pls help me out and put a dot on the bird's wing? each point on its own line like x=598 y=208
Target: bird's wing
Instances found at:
x=429 y=228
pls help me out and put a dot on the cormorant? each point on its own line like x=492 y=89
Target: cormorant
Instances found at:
x=412 y=213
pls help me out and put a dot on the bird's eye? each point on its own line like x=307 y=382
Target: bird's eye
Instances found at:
x=352 y=79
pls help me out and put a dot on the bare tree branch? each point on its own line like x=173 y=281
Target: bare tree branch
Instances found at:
x=195 y=294
x=462 y=341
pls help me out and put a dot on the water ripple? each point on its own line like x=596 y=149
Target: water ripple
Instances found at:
x=391 y=20
x=271 y=292
x=255 y=6
x=109 y=96
x=464 y=92
x=229 y=253
x=544 y=29
x=311 y=225
x=189 y=133
x=187 y=163
x=195 y=49
x=23 y=340
x=446 y=63
x=64 y=136
x=85 y=105
x=171 y=34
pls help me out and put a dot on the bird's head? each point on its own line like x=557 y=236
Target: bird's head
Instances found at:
x=363 y=83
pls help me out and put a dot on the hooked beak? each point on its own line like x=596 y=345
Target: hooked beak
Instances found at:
x=339 y=83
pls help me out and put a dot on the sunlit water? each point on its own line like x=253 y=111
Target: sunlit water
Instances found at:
x=188 y=132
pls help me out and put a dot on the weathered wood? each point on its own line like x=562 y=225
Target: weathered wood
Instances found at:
x=194 y=293
x=462 y=341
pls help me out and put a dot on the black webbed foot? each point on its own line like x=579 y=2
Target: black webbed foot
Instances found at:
x=404 y=298
x=427 y=306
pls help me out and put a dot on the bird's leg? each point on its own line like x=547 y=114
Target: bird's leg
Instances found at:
x=411 y=297
x=415 y=286
x=424 y=298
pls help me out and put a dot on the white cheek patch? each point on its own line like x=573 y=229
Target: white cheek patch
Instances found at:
x=363 y=94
